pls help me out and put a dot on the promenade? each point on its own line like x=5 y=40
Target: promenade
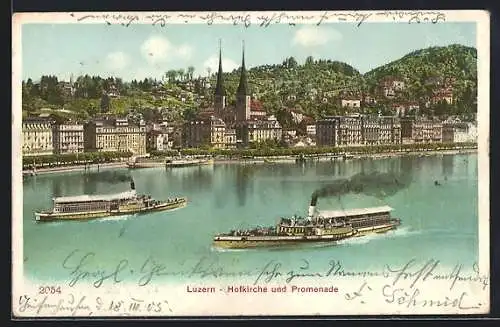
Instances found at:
x=258 y=160
x=89 y=167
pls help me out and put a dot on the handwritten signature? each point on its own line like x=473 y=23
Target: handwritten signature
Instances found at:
x=412 y=298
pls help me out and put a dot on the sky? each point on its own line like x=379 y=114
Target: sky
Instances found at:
x=140 y=51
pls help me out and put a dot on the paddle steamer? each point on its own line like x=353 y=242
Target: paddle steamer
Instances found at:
x=84 y=207
x=317 y=227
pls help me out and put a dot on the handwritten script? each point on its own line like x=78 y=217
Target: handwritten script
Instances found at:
x=402 y=286
x=258 y=18
x=81 y=266
x=72 y=305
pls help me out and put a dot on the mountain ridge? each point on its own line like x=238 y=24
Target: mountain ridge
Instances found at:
x=313 y=87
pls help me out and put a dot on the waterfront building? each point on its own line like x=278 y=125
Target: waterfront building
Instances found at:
x=115 y=134
x=327 y=131
x=230 y=138
x=37 y=136
x=68 y=138
x=421 y=130
x=207 y=131
x=359 y=130
x=256 y=131
x=175 y=135
x=458 y=132
x=157 y=138
x=349 y=131
x=311 y=130
x=371 y=130
x=389 y=131
x=217 y=130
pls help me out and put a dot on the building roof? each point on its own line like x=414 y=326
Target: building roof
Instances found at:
x=41 y=120
x=351 y=98
x=103 y=197
x=243 y=86
x=354 y=212
x=219 y=87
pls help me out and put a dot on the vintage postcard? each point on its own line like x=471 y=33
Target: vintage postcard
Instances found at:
x=176 y=164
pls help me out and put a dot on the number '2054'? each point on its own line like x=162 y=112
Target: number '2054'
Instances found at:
x=49 y=290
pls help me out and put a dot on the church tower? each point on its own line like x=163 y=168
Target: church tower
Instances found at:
x=220 y=92
x=243 y=94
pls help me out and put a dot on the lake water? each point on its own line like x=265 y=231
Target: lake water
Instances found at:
x=439 y=222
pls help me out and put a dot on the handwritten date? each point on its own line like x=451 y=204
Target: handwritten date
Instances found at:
x=71 y=305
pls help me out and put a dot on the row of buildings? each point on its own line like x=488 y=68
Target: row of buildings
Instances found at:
x=364 y=130
x=45 y=136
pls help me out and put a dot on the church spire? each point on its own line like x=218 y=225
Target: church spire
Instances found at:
x=243 y=86
x=219 y=88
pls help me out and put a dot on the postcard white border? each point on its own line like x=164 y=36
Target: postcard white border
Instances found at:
x=260 y=305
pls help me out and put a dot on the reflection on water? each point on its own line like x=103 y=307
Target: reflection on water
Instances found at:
x=447 y=164
x=85 y=182
x=200 y=177
x=231 y=196
x=244 y=182
x=223 y=183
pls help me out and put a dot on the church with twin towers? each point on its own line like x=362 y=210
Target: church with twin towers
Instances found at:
x=226 y=126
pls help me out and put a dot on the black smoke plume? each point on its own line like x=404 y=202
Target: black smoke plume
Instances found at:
x=108 y=177
x=376 y=184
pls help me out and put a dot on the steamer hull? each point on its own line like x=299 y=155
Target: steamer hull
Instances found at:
x=318 y=227
x=187 y=163
x=276 y=241
x=378 y=229
x=89 y=215
x=139 y=165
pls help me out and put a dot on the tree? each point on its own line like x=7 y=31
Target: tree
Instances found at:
x=309 y=61
x=105 y=102
x=441 y=108
x=290 y=63
x=171 y=75
x=190 y=72
x=181 y=74
x=189 y=114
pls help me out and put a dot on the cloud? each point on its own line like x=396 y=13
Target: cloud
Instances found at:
x=184 y=51
x=155 y=49
x=158 y=49
x=228 y=65
x=117 y=61
x=312 y=36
